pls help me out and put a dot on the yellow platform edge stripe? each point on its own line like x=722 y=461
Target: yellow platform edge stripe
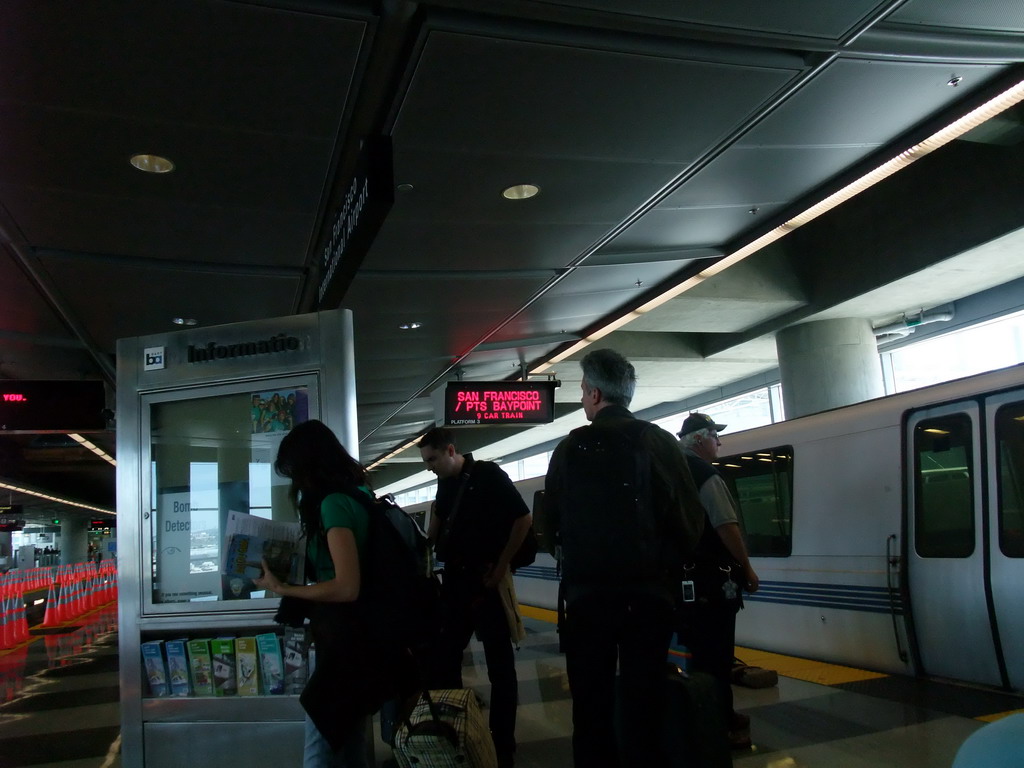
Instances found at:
x=819 y=672
x=998 y=715
x=541 y=614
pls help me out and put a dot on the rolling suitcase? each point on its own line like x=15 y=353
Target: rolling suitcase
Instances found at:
x=696 y=734
x=446 y=729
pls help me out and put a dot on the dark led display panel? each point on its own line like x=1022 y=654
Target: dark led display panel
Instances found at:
x=51 y=406
x=499 y=403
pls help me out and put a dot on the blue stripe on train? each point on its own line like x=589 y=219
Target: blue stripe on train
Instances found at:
x=848 y=597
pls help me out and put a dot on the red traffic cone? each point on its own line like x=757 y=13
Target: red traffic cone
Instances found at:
x=21 y=633
x=60 y=614
x=50 y=616
x=6 y=635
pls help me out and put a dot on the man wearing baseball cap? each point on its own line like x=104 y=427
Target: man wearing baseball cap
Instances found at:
x=720 y=572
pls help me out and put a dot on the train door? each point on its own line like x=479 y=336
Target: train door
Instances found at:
x=946 y=564
x=1004 y=416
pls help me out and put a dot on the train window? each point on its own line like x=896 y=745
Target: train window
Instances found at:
x=944 y=487
x=1010 y=447
x=762 y=484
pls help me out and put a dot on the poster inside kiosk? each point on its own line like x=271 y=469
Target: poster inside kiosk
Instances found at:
x=508 y=403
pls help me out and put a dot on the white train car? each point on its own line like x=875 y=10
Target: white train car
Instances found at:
x=899 y=544
x=888 y=535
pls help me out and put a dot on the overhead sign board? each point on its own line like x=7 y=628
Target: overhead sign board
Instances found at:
x=52 y=406
x=504 y=403
x=10 y=518
x=368 y=197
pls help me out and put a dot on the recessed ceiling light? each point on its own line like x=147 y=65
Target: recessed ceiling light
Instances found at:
x=184 y=320
x=405 y=188
x=152 y=163
x=954 y=81
x=520 y=191
x=410 y=326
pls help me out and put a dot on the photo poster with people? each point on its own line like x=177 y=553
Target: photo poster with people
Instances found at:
x=278 y=410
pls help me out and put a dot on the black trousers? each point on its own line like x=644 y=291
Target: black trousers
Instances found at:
x=633 y=632
x=466 y=607
x=709 y=631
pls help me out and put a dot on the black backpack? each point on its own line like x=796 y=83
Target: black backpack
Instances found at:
x=609 y=530
x=399 y=592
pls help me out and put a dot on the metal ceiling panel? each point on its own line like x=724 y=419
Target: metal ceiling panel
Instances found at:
x=855 y=103
x=983 y=15
x=749 y=175
x=814 y=18
x=183 y=229
x=576 y=189
x=132 y=300
x=63 y=149
x=697 y=226
x=48 y=358
x=215 y=63
x=461 y=246
x=29 y=315
x=570 y=305
x=560 y=101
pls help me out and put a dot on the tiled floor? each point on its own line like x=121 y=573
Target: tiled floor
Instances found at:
x=60 y=708
x=61 y=697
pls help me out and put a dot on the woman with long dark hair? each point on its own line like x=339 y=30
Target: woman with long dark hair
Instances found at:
x=324 y=480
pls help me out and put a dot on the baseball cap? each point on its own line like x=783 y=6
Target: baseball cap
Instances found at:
x=697 y=421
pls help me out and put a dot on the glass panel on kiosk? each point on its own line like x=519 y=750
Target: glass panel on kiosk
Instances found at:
x=211 y=454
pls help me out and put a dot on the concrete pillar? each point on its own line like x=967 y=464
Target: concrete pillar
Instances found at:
x=74 y=540
x=5 y=548
x=827 y=364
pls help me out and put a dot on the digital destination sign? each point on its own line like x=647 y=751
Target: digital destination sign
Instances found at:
x=506 y=403
x=9 y=518
x=52 y=406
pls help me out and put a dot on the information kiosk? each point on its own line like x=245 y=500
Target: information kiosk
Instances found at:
x=200 y=413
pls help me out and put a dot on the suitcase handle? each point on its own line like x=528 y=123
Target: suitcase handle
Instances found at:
x=436 y=726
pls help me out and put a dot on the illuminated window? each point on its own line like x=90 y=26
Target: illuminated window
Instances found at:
x=1010 y=448
x=762 y=484
x=944 y=487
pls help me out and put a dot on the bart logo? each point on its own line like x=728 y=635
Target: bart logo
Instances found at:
x=153 y=359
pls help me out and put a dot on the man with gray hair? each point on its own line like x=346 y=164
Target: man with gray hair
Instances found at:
x=719 y=572
x=622 y=515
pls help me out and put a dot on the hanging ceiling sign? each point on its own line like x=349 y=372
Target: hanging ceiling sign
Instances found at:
x=52 y=406
x=499 y=403
x=368 y=198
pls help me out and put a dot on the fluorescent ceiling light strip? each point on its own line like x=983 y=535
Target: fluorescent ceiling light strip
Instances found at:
x=94 y=448
x=48 y=497
x=394 y=453
x=940 y=138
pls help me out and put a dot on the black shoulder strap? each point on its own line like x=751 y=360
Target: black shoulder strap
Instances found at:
x=449 y=521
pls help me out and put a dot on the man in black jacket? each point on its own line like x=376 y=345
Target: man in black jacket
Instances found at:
x=722 y=570
x=623 y=513
x=478 y=524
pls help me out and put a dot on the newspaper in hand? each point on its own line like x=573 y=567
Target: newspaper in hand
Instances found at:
x=248 y=540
